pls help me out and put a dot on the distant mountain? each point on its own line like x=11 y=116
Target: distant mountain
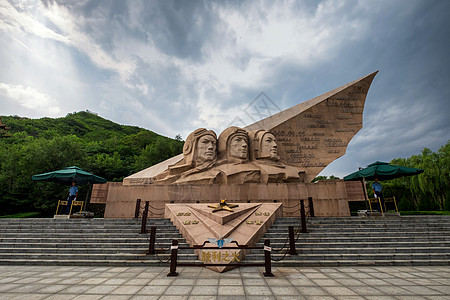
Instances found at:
x=80 y=139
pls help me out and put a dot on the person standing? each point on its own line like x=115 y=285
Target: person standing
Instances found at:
x=73 y=193
x=378 y=193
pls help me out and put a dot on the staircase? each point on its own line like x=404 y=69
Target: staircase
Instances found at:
x=355 y=241
x=87 y=242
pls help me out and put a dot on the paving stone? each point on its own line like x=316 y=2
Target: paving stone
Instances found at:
x=284 y=290
x=320 y=298
x=315 y=275
x=115 y=281
x=374 y=282
x=207 y=290
x=230 y=290
x=325 y=282
x=183 y=281
x=153 y=290
x=77 y=289
x=127 y=290
x=394 y=290
x=271 y=281
x=146 y=297
x=198 y=297
x=302 y=282
x=54 y=288
x=254 y=281
x=311 y=291
x=60 y=297
x=101 y=289
x=445 y=289
x=257 y=290
x=204 y=281
x=365 y=290
x=118 y=297
x=164 y=281
x=339 y=291
x=230 y=281
x=438 y=297
x=93 y=281
x=181 y=290
x=27 y=288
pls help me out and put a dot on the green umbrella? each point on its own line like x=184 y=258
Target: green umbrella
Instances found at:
x=69 y=174
x=382 y=171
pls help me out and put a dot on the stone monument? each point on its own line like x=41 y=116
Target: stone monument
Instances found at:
x=261 y=169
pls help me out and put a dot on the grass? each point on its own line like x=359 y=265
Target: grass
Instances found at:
x=22 y=215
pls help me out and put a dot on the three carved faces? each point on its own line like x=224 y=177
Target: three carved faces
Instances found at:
x=235 y=145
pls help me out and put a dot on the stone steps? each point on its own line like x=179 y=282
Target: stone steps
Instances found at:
x=359 y=241
x=350 y=263
x=115 y=242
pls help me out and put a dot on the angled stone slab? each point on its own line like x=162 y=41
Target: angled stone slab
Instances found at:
x=222 y=223
x=314 y=133
x=310 y=135
x=246 y=225
x=223 y=217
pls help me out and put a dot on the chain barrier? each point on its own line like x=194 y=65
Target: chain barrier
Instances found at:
x=309 y=212
x=160 y=249
x=153 y=209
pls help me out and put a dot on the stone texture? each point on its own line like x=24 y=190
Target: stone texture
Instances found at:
x=246 y=224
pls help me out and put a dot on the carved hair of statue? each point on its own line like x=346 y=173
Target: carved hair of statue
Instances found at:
x=200 y=147
x=263 y=145
x=200 y=150
x=233 y=146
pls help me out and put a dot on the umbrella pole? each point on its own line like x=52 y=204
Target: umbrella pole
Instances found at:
x=87 y=196
x=363 y=182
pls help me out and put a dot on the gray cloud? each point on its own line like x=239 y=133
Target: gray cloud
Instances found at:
x=172 y=66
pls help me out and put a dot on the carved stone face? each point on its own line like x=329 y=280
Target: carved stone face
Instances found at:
x=269 y=146
x=206 y=149
x=239 y=146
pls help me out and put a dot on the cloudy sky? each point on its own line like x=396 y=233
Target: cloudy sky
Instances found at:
x=174 y=66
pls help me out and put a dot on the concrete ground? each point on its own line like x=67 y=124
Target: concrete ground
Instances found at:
x=77 y=282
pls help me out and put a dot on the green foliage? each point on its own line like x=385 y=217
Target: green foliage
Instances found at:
x=428 y=191
x=32 y=214
x=80 y=139
x=332 y=177
x=420 y=212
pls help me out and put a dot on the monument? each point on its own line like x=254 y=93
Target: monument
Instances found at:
x=260 y=168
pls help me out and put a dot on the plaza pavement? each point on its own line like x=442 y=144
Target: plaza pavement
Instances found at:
x=80 y=282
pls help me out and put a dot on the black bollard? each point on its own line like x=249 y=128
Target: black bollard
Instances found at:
x=138 y=208
x=173 y=259
x=151 y=247
x=292 y=250
x=303 y=215
x=144 y=218
x=311 y=206
x=267 y=260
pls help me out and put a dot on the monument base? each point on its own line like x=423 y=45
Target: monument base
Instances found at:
x=245 y=224
x=330 y=197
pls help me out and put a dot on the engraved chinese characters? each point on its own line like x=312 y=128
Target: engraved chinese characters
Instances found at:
x=235 y=157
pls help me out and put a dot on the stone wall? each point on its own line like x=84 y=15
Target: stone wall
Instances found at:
x=330 y=197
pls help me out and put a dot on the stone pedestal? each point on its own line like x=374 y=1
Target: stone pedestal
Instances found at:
x=246 y=224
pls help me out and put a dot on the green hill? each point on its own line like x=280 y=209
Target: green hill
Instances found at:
x=83 y=139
